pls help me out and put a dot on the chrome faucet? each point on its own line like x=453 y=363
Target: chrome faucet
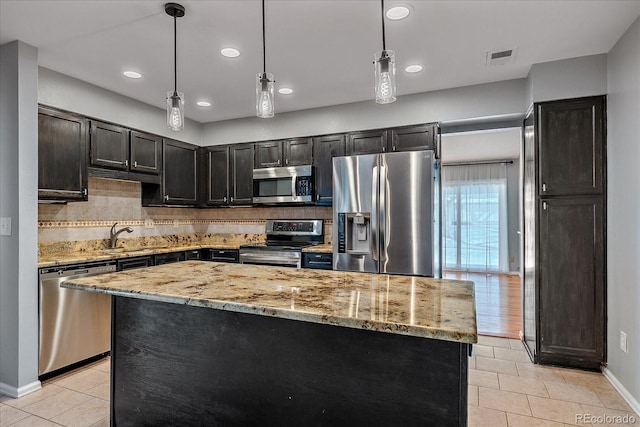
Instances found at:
x=114 y=234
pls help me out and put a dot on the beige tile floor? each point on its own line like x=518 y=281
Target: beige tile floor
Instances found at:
x=505 y=389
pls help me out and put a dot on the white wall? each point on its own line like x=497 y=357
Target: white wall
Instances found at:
x=493 y=99
x=18 y=201
x=568 y=78
x=623 y=208
x=61 y=91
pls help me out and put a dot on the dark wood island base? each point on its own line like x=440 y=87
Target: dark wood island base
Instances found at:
x=176 y=364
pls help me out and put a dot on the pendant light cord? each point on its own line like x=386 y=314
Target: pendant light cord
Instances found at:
x=384 y=46
x=264 y=49
x=175 y=55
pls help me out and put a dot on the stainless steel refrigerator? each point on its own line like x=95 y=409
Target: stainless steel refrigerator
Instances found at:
x=386 y=213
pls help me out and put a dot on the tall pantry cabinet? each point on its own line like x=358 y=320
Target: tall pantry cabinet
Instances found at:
x=564 y=295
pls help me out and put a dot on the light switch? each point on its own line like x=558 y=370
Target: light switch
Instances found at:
x=5 y=226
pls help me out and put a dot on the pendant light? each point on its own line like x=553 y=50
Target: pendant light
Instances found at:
x=175 y=99
x=265 y=107
x=385 y=70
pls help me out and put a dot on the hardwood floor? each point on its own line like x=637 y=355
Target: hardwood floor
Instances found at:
x=498 y=302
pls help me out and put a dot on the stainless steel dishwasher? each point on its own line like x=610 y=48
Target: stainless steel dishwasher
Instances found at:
x=74 y=325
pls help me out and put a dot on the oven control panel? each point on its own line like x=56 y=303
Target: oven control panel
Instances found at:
x=292 y=226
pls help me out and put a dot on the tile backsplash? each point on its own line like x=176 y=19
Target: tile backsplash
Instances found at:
x=119 y=201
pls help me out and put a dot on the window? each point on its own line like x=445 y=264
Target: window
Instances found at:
x=474 y=211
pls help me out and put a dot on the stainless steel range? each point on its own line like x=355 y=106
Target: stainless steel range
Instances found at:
x=285 y=240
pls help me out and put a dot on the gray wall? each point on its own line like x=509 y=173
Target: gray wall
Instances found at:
x=493 y=99
x=623 y=208
x=18 y=201
x=61 y=91
x=568 y=78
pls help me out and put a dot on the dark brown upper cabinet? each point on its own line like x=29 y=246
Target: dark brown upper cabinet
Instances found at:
x=217 y=175
x=180 y=177
x=62 y=156
x=571 y=146
x=145 y=153
x=268 y=154
x=367 y=142
x=109 y=146
x=289 y=152
x=120 y=153
x=411 y=138
x=241 y=157
x=297 y=152
x=325 y=148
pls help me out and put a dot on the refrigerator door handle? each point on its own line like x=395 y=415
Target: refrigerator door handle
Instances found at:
x=374 y=214
x=383 y=216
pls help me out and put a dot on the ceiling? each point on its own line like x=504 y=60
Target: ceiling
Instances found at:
x=322 y=49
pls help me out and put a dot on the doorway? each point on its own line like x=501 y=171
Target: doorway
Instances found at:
x=481 y=211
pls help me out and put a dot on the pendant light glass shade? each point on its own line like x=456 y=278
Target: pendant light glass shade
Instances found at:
x=175 y=110
x=265 y=107
x=385 y=76
x=175 y=99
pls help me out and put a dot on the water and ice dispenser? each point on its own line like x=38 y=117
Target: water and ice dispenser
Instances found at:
x=354 y=233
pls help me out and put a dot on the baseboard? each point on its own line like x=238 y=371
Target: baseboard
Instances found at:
x=635 y=405
x=20 y=391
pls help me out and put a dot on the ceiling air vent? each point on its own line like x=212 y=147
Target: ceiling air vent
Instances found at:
x=500 y=57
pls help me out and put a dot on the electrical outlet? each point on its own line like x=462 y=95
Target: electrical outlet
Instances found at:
x=5 y=226
x=148 y=223
x=623 y=342
x=175 y=223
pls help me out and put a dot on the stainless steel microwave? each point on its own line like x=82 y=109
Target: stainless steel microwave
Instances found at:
x=293 y=184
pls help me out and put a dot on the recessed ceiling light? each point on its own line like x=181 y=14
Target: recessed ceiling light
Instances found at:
x=132 y=74
x=285 y=91
x=398 y=12
x=230 y=52
x=413 y=68
x=203 y=104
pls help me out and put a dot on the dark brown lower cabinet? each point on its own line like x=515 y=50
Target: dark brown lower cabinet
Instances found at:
x=571 y=281
x=175 y=364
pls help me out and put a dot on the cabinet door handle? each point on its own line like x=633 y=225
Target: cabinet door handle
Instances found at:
x=544 y=205
x=278 y=161
x=126 y=163
x=232 y=200
x=286 y=161
x=84 y=192
x=544 y=187
x=135 y=164
x=224 y=199
x=166 y=197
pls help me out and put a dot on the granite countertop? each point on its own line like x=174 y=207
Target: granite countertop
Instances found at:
x=323 y=248
x=416 y=306
x=119 y=253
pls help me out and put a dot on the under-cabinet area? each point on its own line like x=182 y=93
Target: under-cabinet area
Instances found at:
x=176 y=173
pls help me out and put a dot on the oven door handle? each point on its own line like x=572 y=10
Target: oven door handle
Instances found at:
x=265 y=259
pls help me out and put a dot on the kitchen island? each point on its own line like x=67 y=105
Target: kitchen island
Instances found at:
x=202 y=343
